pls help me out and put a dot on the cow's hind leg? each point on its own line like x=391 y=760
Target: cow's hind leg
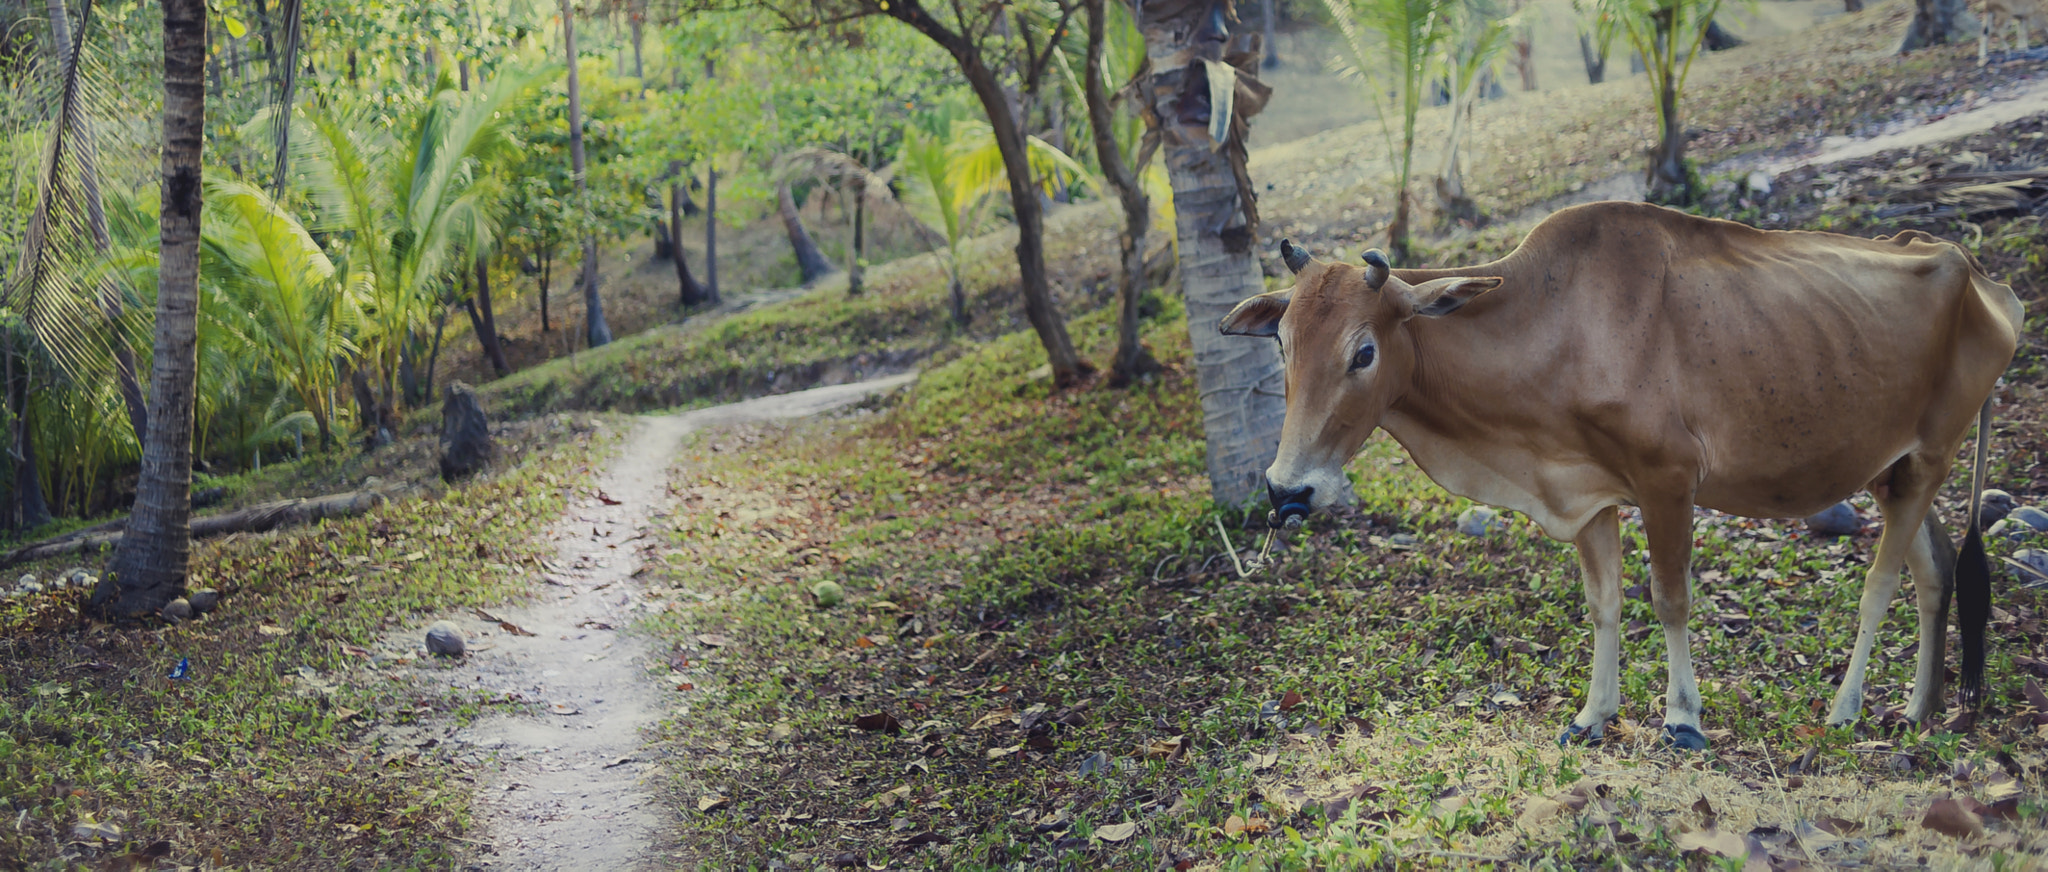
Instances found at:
x=1933 y=562
x=1667 y=526
x=1600 y=568
x=1904 y=498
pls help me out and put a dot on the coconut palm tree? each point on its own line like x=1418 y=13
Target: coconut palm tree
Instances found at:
x=1409 y=33
x=150 y=564
x=1478 y=34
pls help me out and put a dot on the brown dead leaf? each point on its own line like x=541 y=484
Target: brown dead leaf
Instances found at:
x=2035 y=696
x=999 y=716
x=1951 y=818
x=712 y=802
x=1836 y=826
x=269 y=630
x=1233 y=825
x=1290 y=701
x=714 y=640
x=1117 y=832
x=1712 y=841
x=879 y=721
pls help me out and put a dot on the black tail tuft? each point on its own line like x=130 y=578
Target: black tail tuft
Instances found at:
x=1973 y=612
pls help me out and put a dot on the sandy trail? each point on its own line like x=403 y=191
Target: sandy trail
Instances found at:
x=569 y=789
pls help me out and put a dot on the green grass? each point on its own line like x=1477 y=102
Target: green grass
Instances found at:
x=245 y=762
x=1018 y=560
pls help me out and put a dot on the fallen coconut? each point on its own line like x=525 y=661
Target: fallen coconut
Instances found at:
x=445 y=639
x=1839 y=519
x=177 y=610
x=1993 y=506
x=828 y=593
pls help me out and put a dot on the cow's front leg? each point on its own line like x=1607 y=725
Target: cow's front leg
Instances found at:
x=1600 y=568
x=1667 y=526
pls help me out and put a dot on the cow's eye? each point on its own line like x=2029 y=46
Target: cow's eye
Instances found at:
x=1363 y=357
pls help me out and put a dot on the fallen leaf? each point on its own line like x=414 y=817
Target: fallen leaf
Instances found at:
x=686 y=686
x=1000 y=753
x=1706 y=812
x=712 y=802
x=925 y=838
x=564 y=708
x=1162 y=747
x=1117 y=832
x=1290 y=701
x=606 y=498
x=1837 y=826
x=620 y=762
x=1710 y=840
x=1233 y=825
x=1950 y=818
x=513 y=628
x=879 y=721
x=713 y=640
x=999 y=716
x=269 y=630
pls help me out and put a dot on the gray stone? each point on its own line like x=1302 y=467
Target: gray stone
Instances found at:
x=1995 y=505
x=2034 y=559
x=2031 y=517
x=29 y=584
x=203 y=600
x=2009 y=530
x=1403 y=539
x=1759 y=183
x=177 y=610
x=1839 y=519
x=466 y=445
x=27 y=580
x=445 y=639
x=1481 y=521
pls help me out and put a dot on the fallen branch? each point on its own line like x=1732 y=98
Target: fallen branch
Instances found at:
x=254 y=519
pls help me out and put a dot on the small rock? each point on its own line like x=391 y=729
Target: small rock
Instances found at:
x=177 y=610
x=1995 y=505
x=466 y=445
x=2030 y=516
x=1481 y=521
x=445 y=639
x=1759 y=183
x=29 y=584
x=372 y=482
x=1403 y=539
x=2008 y=530
x=27 y=580
x=829 y=594
x=203 y=600
x=2034 y=559
x=1839 y=519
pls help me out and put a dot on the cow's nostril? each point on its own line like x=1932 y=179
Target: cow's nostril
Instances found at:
x=1289 y=504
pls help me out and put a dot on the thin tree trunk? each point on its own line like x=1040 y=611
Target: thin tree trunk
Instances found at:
x=856 y=272
x=547 y=269
x=476 y=318
x=488 y=335
x=1852 y=5
x=1272 y=59
x=1668 y=182
x=1937 y=22
x=809 y=260
x=1132 y=358
x=27 y=508
x=638 y=11
x=596 y=331
x=150 y=566
x=1241 y=383
x=408 y=372
x=689 y=292
x=288 y=81
x=1596 y=60
x=434 y=356
x=1067 y=366
x=711 y=228
x=1524 y=47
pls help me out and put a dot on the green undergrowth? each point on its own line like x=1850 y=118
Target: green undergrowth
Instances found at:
x=901 y=318
x=1045 y=657
x=253 y=760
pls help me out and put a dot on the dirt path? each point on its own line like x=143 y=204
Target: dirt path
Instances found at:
x=570 y=788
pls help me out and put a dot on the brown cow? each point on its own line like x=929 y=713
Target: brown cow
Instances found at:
x=1627 y=354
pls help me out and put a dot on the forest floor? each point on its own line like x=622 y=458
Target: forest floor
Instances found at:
x=1040 y=653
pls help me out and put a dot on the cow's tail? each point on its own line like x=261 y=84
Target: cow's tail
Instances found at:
x=1973 y=576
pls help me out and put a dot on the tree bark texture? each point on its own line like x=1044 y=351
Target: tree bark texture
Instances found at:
x=689 y=292
x=1132 y=358
x=1668 y=181
x=809 y=260
x=1595 y=58
x=488 y=333
x=150 y=566
x=1938 y=22
x=26 y=507
x=596 y=331
x=1242 y=385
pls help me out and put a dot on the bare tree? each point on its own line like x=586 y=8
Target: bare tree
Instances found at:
x=596 y=331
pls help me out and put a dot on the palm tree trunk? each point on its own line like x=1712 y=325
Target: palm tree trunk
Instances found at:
x=547 y=269
x=856 y=272
x=433 y=357
x=150 y=564
x=1132 y=359
x=1242 y=386
x=26 y=507
x=812 y=262
x=488 y=335
x=1596 y=60
x=1937 y=22
x=596 y=331
x=1669 y=181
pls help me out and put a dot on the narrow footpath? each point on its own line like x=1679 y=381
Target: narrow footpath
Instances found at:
x=571 y=788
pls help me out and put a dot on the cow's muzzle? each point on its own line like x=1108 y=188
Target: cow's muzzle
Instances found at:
x=1290 y=505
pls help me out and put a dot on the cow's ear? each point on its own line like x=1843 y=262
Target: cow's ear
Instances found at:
x=1257 y=316
x=1440 y=297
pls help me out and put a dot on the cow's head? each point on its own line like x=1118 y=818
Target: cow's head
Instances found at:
x=1345 y=340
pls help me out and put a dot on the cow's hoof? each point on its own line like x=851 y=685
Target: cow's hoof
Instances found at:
x=1685 y=737
x=1575 y=734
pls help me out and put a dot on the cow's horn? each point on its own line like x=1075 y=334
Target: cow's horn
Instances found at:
x=1295 y=256
x=1377 y=268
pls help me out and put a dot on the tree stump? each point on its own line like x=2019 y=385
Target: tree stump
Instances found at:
x=466 y=445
